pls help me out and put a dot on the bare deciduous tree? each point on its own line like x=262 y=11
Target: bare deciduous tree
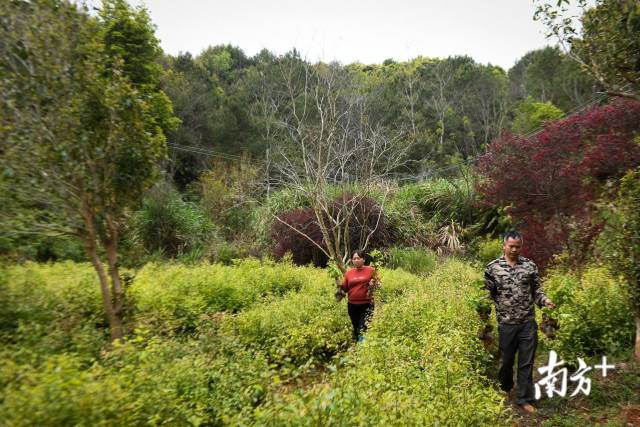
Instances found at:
x=326 y=146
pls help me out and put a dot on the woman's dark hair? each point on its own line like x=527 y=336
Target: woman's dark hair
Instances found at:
x=362 y=254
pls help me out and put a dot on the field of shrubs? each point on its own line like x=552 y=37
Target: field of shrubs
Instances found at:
x=265 y=343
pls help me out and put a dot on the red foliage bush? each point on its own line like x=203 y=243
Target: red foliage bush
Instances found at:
x=551 y=179
x=363 y=219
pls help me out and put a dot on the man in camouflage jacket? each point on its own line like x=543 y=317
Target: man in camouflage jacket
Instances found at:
x=514 y=286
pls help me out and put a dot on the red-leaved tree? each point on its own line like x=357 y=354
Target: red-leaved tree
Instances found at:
x=363 y=219
x=550 y=180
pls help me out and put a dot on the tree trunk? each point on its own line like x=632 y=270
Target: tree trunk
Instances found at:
x=637 y=348
x=115 y=322
x=113 y=315
x=116 y=287
x=111 y=247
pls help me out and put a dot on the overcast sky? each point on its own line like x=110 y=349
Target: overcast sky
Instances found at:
x=490 y=31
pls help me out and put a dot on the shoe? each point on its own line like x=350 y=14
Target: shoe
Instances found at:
x=360 y=339
x=528 y=408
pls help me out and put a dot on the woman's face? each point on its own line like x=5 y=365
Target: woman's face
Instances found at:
x=357 y=261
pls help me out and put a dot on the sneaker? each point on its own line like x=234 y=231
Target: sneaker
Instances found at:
x=360 y=339
x=528 y=408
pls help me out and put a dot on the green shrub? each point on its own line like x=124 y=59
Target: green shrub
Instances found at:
x=405 y=217
x=52 y=308
x=173 y=297
x=445 y=200
x=139 y=383
x=169 y=224
x=489 y=249
x=414 y=260
x=531 y=115
x=225 y=253
x=593 y=313
x=417 y=211
x=302 y=326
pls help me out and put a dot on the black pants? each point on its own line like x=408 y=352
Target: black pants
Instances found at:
x=360 y=315
x=523 y=339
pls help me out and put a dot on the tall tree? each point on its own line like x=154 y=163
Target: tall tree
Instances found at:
x=83 y=121
x=549 y=75
x=604 y=40
x=567 y=163
x=211 y=97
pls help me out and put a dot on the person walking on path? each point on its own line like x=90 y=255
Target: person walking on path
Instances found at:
x=514 y=286
x=357 y=283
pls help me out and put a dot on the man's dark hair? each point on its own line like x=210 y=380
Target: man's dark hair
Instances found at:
x=513 y=234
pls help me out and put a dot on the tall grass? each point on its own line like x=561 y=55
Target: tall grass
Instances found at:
x=420 y=261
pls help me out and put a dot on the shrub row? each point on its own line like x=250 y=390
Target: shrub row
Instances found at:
x=155 y=382
x=414 y=260
x=221 y=377
x=421 y=364
x=174 y=297
x=309 y=324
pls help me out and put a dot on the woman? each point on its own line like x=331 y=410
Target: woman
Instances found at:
x=357 y=283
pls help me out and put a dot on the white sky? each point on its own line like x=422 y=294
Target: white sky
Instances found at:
x=490 y=31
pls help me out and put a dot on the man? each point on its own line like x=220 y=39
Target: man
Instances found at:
x=514 y=286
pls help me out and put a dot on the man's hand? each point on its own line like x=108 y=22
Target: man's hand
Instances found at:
x=549 y=304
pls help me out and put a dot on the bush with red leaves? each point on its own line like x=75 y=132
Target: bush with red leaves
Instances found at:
x=363 y=219
x=551 y=179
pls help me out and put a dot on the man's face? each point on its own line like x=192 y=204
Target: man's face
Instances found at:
x=512 y=248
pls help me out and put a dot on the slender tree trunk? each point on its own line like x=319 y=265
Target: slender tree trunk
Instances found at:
x=115 y=322
x=111 y=247
x=637 y=347
x=113 y=315
x=118 y=292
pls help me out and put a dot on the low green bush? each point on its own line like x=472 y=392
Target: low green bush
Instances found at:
x=445 y=200
x=594 y=313
x=414 y=260
x=169 y=224
x=173 y=297
x=155 y=382
x=302 y=326
x=489 y=249
x=225 y=252
x=51 y=308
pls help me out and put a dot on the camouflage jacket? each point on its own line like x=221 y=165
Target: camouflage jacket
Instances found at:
x=514 y=289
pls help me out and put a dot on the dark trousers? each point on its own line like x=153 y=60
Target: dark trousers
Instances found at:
x=360 y=315
x=522 y=339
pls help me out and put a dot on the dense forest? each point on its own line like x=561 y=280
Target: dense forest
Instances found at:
x=448 y=109
x=172 y=227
